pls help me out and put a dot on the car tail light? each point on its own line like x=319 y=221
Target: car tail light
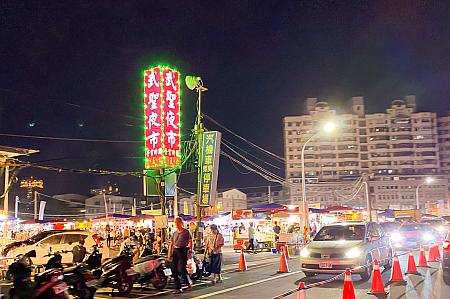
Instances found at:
x=446 y=245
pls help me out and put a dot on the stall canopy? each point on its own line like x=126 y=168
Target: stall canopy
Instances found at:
x=117 y=216
x=269 y=207
x=338 y=208
x=388 y=214
x=318 y=211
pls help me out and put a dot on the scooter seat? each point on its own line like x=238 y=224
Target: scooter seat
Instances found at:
x=147 y=258
x=70 y=269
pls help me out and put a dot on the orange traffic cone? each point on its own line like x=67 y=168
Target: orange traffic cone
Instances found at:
x=348 y=291
x=242 y=262
x=377 y=281
x=283 y=264
x=434 y=254
x=286 y=252
x=397 y=276
x=412 y=269
x=301 y=291
x=422 y=258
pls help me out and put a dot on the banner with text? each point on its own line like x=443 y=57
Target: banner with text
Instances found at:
x=210 y=153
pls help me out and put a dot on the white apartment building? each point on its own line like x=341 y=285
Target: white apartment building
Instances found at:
x=399 y=142
x=444 y=144
x=95 y=205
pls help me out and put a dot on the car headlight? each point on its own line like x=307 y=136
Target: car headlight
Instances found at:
x=353 y=253
x=304 y=253
x=427 y=237
x=396 y=237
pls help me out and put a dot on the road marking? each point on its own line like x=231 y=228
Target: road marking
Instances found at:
x=245 y=285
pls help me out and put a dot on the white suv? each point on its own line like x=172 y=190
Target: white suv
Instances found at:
x=59 y=241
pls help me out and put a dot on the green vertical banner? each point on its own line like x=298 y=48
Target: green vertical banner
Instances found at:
x=209 y=171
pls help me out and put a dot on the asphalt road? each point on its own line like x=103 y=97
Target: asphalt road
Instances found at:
x=262 y=281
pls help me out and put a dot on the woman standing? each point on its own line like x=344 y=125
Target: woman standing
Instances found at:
x=214 y=248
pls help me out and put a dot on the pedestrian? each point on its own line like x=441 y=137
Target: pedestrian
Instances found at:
x=180 y=250
x=214 y=250
x=126 y=232
x=78 y=252
x=251 y=238
x=277 y=231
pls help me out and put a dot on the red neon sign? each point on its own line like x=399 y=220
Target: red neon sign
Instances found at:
x=162 y=118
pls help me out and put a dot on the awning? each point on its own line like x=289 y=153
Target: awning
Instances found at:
x=269 y=207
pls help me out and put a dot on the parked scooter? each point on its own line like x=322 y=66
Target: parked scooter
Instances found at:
x=80 y=279
x=151 y=269
x=47 y=285
x=118 y=273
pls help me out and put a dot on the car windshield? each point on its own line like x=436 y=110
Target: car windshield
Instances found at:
x=341 y=232
x=39 y=236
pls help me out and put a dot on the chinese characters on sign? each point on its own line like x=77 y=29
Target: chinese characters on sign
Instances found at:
x=171 y=118
x=162 y=118
x=209 y=167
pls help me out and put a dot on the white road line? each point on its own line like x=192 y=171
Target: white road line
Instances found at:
x=245 y=285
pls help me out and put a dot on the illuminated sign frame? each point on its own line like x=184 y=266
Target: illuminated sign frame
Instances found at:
x=162 y=109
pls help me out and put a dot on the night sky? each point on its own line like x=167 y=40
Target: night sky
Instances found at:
x=74 y=69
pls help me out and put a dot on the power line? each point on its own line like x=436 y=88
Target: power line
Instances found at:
x=243 y=139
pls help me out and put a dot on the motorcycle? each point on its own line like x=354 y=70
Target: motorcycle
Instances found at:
x=80 y=279
x=151 y=269
x=118 y=273
x=47 y=285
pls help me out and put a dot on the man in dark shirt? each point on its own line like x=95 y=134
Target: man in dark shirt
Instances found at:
x=180 y=249
x=79 y=252
x=276 y=230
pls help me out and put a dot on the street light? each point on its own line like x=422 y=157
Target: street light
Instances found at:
x=194 y=82
x=327 y=128
x=428 y=180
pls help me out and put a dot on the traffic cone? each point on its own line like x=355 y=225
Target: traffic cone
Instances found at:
x=412 y=269
x=396 y=275
x=348 y=291
x=377 y=281
x=283 y=264
x=286 y=252
x=301 y=291
x=434 y=254
x=242 y=263
x=422 y=258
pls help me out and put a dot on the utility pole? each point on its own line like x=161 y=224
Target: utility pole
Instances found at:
x=35 y=205
x=197 y=84
x=5 y=201
x=162 y=200
x=269 y=194
x=175 y=198
x=16 y=208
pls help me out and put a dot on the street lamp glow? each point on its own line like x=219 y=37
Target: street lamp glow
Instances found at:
x=329 y=127
x=429 y=180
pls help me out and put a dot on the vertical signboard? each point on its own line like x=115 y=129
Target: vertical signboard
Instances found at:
x=209 y=164
x=171 y=118
x=162 y=118
x=153 y=112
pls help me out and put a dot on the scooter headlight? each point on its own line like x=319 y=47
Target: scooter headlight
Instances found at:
x=396 y=237
x=427 y=237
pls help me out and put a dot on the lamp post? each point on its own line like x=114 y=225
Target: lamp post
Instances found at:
x=193 y=82
x=327 y=128
x=427 y=181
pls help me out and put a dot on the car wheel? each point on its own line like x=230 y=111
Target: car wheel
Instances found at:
x=388 y=265
x=309 y=274
x=365 y=276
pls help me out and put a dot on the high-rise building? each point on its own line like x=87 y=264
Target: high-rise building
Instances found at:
x=401 y=142
x=444 y=145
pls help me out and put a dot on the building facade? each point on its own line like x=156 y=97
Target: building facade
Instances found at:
x=401 y=142
x=444 y=145
x=95 y=205
x=230 y=200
